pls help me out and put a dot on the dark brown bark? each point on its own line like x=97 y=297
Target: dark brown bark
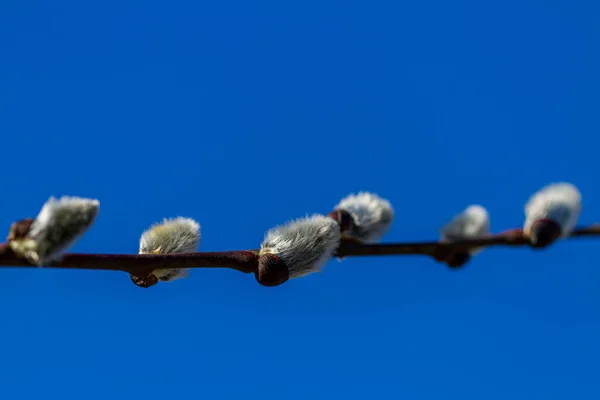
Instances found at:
x=243 y=261
x=246 y=261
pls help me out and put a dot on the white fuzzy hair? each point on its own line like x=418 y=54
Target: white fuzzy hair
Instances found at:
x=59 y=224
x=473 y=222
x=173 y=235
x=304 y=245
x=560 y=202
x=371 y=214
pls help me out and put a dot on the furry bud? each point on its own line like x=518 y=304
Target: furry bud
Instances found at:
x=59 y=224
x=371 y=216
x=302 y=246
x=473 y=222
x=552 y=213
x=176 y=235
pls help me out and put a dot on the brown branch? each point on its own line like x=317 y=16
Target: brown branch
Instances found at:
x=243 y=261
x=351 y=248
x=513 y=237
x=246 y=261
x=590 y=230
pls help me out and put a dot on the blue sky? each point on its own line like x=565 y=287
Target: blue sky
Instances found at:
x=243 y=115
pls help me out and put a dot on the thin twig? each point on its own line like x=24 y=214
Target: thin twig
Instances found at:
x=512 y=237
x=243 y=261
x=590 y=230
x=246 y=261
x=351 y=248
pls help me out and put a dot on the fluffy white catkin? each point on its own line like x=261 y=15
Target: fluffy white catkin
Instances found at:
x=175 y=235
x=473 y=222
x=304 y=245
x=59 y=224
x=371 y=214
x=559 y=202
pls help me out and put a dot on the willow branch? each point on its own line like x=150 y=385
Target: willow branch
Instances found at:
x=243 y=261
x=590 y=230
x=512 y=237
x=352 y=248
x=246 y=261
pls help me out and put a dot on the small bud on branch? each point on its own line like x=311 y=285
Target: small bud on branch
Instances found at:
x=473 y=222
x=552 y=213
x=364 y=216
x=58 y=225
x=172 y=236
x=298 y=248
